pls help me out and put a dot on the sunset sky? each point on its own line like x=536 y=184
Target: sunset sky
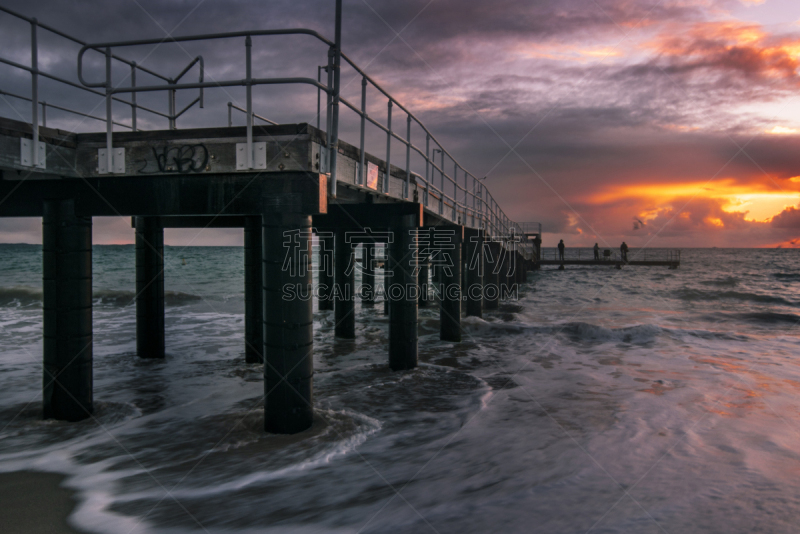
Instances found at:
x=584 y=115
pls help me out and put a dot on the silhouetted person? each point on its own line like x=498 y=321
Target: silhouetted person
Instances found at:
x=537 y=242
x=623 y=249
x=561 y=250
x=596 y=252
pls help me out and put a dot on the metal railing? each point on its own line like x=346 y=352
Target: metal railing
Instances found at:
x=35 y=72
x=445 y=185
x=613 y=256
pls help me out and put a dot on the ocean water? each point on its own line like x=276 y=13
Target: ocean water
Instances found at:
x=634 y=400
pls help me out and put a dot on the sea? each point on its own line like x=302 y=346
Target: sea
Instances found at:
x=601 y=400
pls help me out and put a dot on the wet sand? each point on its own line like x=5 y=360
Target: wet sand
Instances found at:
x=34 y=503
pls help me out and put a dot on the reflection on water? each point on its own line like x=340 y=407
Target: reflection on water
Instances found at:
x=640 y=400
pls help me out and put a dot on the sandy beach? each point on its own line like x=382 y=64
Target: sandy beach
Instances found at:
x=35 y=503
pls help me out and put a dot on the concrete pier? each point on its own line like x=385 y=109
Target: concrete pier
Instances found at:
x=403 y=295
x=67 y=281
x=368 y=274
x=288 y=325
x=491 y=297
x=325 y=271
x=450 y=303
x=253 y=291
x=149 y=287
x=473 y=290
x=424 y=281
x=344 y=304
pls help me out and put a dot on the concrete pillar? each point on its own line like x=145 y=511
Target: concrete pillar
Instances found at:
x=386 y=279
x=450 y=303
x=67 y=288
x=492 y=285
x=325 y=270
x=368 y=274
x=253 y=292
x=424 y=281
x=344 y=303
x=149 y=288
x=505 y=269
x=403 y=295
x=473 y=289
x=288 y=324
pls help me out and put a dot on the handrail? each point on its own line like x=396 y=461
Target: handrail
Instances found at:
x=54 y=106
x=467 y=200
x=231 y=106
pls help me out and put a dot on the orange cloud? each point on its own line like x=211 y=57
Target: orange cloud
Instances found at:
x=753 y=202
x=731 y=45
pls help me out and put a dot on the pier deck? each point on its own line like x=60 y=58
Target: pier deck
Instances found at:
x=280 y=183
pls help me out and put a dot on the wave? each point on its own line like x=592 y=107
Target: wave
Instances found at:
x=768 y=318
x=28 y=296
x=699 y=295
x=787 y=277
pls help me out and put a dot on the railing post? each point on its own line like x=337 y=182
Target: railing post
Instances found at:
x=34 y=94
x=441 y=191
x=455 y=191
x=171 y=105
x=337 y=60
x=408 y=158
x=329 y=112
x=133 y=97
x=319 y=94
x=230 y=114
x=388 y=149
x=363 y=159
x=427 y=169
x=44 y=114
x=109 y=117
x=248 y=45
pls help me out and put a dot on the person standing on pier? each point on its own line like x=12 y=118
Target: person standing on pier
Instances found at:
x=561 y=250
x=596 y=252
x=623 y=249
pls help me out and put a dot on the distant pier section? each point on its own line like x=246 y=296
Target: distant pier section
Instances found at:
x=636 y=258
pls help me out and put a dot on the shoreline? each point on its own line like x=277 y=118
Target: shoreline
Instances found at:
x=36 y=503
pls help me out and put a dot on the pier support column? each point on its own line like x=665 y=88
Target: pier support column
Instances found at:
x=450 y=303
x=253 y=292
x=423 y=281
x=368 y=274
x=386 y=279
x=149 y=288
x=474 y=267
x=344 y=302
x=288 y=324
x=505 y=272
x=491 y=288
x=325 y=270
x=67 y=285
x=403 y=295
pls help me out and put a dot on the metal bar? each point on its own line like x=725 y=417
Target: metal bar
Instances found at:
x=25 y=98
x=230 y=117
x=186 y=38
x=75 y=40
x=329 y=112
x=388 y=150
x=362 y=161
x=248 y=44
x=109 y=117
x=171 y=107
x=133 y=97
x=337 y=62
x=427 y=168
x=255 y=115
x=408 y=158
x=184 y=110
x=44 y=114
x=319 y=95
x=34 y=94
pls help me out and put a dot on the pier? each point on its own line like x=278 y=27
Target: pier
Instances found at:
x=437 y=225
x=636 y=258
